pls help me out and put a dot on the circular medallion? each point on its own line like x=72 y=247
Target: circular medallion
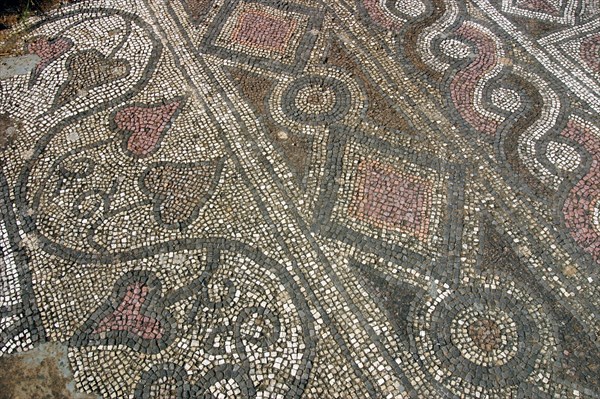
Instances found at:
x=318 y=98
x=468 y=339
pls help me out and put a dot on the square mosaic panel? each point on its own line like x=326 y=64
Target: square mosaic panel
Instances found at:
x=273 y=35
x=388 y=198
x=385 y=198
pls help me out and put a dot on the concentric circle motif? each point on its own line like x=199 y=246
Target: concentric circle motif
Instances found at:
x=485 y=340
x=506 y=99
x=316 y=99
x=488 y=338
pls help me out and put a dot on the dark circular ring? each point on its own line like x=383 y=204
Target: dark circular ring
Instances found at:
x=337 y=111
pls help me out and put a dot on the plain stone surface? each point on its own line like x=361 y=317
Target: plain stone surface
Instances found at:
x=20 y=65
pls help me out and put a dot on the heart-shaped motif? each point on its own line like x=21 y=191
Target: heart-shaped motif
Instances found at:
x=145 y=126
x=134 y=316
x=48 y=50
x=128 y=315
x=178 y=191
x=89 y=69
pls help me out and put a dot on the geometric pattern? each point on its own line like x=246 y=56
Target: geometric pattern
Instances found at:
x=270 y=34
x=576 y=48
x=544 y=34
x=389 y=199
x=559 y=11
x=384 y=199
x=285 y=199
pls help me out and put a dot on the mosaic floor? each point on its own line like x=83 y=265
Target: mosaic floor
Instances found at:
x=304 y=198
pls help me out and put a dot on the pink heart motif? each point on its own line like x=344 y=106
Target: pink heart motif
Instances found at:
x=134 y=316
x=145 y=126
x=128 y=316
x=48 y=50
